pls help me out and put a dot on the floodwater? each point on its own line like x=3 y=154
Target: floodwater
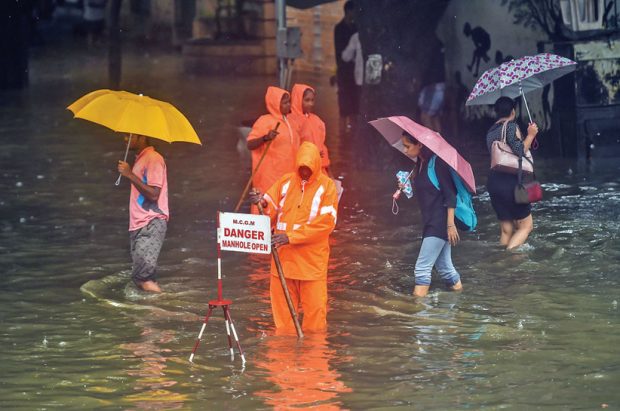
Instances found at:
x=534 y=329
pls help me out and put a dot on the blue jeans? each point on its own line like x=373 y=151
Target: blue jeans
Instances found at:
x=435 y=252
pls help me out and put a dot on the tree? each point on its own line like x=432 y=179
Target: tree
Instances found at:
x=542 y=14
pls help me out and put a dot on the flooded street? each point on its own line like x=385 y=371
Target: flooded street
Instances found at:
x=534 y=329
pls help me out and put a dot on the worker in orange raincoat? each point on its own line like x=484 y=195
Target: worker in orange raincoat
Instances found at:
x=311 y=127
x=303 y=209
x=280 y=156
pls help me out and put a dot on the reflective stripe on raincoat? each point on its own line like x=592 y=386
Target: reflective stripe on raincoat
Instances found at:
x=311 y=127
x=280 y=158
x=306 y=211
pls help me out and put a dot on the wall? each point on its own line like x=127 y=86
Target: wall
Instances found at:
x=317 y=41
x=506 y=40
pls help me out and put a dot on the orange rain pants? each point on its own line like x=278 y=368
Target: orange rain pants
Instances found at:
x=313 y=298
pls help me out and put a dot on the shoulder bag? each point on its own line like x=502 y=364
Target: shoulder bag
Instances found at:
x=503 y=159
x=527 y=193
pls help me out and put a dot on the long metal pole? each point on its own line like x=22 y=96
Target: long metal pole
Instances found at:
x=118 y=180
x=525 y=102
x=281 y=26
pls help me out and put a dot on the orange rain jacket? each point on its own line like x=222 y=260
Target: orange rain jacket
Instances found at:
x=306 y=212
x=280 y=158
x=311 y=127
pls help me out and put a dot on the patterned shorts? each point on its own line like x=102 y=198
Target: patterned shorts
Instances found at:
x=145 y=245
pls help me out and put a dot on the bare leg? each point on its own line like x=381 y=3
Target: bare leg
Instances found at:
x=420 y=290
x=524 y=228
x=507 y=230
x=150 y=286
x=457 y=287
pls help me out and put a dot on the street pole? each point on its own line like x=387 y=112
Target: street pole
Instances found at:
x=281 y=27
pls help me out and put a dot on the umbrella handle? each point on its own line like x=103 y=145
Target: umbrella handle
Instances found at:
x=529 y=115
x=534 y=142
x=118 y=180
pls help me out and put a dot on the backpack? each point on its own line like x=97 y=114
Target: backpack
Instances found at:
x=465 y=214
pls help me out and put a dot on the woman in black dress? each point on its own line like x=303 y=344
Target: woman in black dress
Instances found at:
x=515 y=220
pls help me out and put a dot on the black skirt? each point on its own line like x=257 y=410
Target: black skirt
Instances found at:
x=501 y=188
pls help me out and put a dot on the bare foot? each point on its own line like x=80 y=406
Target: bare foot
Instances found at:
x=150 y=286
x=420 y=290
x=457 y=287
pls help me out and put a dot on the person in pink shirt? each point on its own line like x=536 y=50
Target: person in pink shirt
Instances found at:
x=148 y=210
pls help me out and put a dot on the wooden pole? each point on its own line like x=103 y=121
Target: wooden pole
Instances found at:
x=291 y=308
x=247 y=186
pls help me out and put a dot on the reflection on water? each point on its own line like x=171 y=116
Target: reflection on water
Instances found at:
x=300 y=372
x=150 y=376
x=536 y=328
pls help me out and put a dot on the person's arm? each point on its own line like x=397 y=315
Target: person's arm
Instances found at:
x=532 y=131
x=448 y=192
x=513 y=138
x=258 y=142
x=339 y=44
x=348 y=54
x=150 y=192
x=514 y=142
x=255 y=142
x=453 y=233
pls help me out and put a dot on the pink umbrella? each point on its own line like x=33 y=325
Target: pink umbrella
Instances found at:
x=391 y=128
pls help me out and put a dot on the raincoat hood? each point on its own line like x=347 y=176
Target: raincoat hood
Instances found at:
x=309 y=156
x=273 y=97
x=297 y=97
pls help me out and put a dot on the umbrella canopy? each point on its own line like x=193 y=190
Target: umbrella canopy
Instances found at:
x=391 y=128
x=126 y=112
x=516 y=77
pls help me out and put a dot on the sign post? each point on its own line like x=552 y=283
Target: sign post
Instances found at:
x=245 y=233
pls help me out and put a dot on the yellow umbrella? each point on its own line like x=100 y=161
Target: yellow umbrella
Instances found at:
x=131 y=113
x=126 y=112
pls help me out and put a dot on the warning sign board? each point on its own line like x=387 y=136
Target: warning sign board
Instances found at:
x=245 y=233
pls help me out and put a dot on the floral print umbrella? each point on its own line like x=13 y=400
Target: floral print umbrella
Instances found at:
x=517 y=77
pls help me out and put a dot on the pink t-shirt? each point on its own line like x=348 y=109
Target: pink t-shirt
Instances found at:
x=151 y=169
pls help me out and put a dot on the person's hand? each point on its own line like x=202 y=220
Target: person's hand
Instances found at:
x=532 y=130
x=255 y=196
x=278 y=240
x=271 y=135
x=453 y=235
x=123 y=168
